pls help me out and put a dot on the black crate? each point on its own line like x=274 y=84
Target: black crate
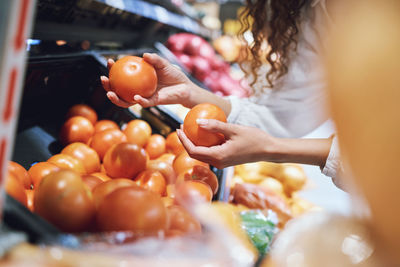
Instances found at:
x=52 y=85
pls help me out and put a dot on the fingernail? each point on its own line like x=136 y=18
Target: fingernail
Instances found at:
x=202 y=122
x=102 y=78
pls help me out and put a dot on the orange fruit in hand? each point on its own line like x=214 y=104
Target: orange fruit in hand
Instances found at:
x=130 y=76
x=200 y=136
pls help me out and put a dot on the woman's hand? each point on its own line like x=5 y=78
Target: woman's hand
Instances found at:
x=242 y=144
x=245 y=144
x=173 y=85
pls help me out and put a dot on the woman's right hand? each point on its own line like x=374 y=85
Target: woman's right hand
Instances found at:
x=173 y=87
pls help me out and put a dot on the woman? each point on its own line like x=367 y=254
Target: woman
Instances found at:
x=288 y=95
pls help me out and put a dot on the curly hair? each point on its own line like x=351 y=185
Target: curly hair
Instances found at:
x=277 y=22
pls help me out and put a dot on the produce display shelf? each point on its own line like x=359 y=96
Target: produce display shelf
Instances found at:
x=161 y=14
x=106 y=23
x=53 y=84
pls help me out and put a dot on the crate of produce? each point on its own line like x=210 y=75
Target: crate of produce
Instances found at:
x=53 y=85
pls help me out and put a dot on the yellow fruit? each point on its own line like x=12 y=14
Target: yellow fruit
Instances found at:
x=292 y=177
x=224 y=216
x=272 y=184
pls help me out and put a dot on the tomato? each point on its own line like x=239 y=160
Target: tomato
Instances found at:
x=155 y=147
x=15 y=189
x=84 y=111
x=102 y=169
x=167 y=157
x=102 y=190
x=181 y=220
x=164 y=168
x=125 y=160
x=89 y=141
x=173 y=144
x=86 y=154
x=29 y=196
x=184 y=162
x=102 y=141
x=102 y=176
x=102 y=125
x=152 y=180
x=64 y=161
x=40 y=170
x=91 y=181
x=131 y=76
x=167 y=201
x=200 y=173
x=189 y=193
x=138 y=132
x=62 y=199
x=133 y=209
x=20 y=173
x=197 y=135
x=76 y=129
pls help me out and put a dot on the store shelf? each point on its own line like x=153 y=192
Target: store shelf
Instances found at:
x=119 y=23
x=161 y=14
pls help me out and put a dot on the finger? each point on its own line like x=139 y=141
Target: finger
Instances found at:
x=145 y=102
x=117 y=101
x=155 y=60
x=110 y=63
x=216 y=126
x=192 y=150
x=204 y=154
x=106 y=83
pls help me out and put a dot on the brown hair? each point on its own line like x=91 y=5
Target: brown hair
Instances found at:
x=280 y=19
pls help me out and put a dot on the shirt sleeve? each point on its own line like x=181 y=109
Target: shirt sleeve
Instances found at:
x=333 y=167
x=286 y=113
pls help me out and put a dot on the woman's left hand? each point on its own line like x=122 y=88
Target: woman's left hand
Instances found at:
x=242 y=144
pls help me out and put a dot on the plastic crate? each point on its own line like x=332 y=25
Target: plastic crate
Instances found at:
x=53 y=84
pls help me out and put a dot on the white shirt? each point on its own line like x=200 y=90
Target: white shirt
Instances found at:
x=296 y=105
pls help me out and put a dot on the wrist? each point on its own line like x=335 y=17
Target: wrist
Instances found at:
x=303 y=151
x=193 y=95
x=273 y=150
x=197 y=95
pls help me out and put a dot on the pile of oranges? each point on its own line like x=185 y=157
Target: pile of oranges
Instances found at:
x=108 y=178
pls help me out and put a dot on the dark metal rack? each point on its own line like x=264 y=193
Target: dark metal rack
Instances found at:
x=127 y=23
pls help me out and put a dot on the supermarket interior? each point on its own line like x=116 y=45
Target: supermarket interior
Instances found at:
x=199 y=133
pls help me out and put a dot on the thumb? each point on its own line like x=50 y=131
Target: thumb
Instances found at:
x=155 y=60
x=216 y=126
x=110 y=63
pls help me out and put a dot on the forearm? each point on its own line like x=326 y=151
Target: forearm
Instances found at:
x=199 y=95
x=304 y=151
